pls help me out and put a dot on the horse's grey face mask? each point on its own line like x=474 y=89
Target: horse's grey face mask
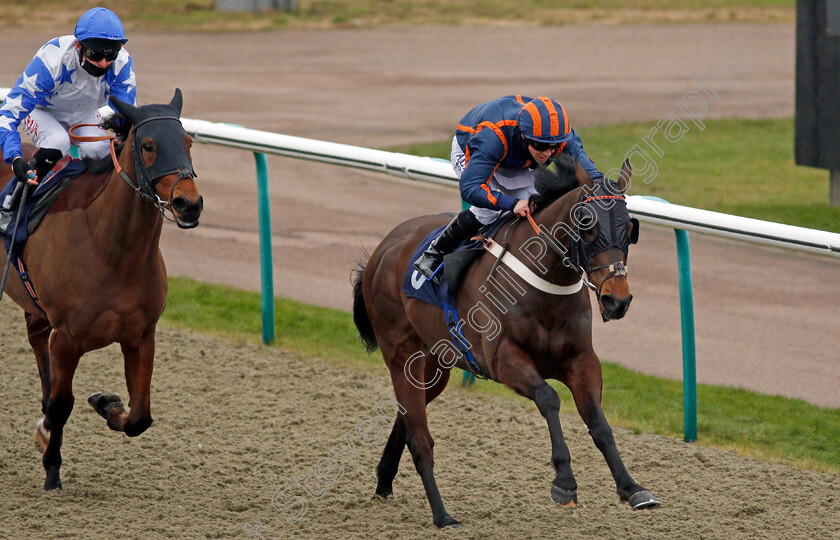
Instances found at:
x=605 y=207
x=171 y=152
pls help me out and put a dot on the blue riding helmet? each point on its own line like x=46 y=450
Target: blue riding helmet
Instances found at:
x=544 y=120
x=100 y=23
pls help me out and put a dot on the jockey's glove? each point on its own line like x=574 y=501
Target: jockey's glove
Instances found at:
x=21 y=168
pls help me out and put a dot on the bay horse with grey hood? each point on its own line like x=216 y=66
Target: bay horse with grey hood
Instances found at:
x=99 y=275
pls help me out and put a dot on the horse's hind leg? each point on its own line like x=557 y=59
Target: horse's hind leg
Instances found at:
x=390 y=461
x=420 y=443
x=517 y=372
x=386 y=471
x=38 y=331
x=138 y=360
x=64 y=358
x=584 y=380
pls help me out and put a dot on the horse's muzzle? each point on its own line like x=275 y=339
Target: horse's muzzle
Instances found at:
x=614 y=308
x=187 y=212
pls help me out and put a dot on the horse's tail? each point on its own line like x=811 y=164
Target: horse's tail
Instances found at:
x=360 y=314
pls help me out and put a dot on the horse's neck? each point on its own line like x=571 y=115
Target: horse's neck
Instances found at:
x=556 y=219
x=121 y=221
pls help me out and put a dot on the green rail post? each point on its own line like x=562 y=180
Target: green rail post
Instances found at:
x=265 y=249
x=688 y=348
x=687 y=315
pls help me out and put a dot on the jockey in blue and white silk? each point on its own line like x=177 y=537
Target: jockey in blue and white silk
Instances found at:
x=61 y=87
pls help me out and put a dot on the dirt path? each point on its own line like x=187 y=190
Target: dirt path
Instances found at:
x=235 y=423
x=390 y=86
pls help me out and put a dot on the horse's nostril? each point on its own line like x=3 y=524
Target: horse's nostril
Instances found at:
x=608 y=302
x=179 y=204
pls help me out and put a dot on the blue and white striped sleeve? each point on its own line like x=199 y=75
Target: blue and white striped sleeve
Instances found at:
x=122 y=83
x=31 y=89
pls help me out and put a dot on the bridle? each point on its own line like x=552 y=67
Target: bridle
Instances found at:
x=145 y=186
x=616 y=268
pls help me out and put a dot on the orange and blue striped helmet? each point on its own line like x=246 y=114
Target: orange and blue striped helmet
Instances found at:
x=544 y=120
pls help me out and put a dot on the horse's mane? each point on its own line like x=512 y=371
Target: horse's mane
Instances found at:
x=121 y=127
x=554 y=179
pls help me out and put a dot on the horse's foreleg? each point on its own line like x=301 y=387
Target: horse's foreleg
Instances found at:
x=38 y=332
x=517 y=372
x=584 y=380
x=64 y=358
x=388 y=466
x=138 y=360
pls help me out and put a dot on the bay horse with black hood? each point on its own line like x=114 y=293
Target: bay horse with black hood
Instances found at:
x=544 y=333
x=99 y=276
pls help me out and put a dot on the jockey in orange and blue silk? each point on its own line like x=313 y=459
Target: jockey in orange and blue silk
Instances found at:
x=66 y=83
x=496 y=150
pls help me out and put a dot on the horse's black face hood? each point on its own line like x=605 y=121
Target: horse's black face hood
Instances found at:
x=604 y=207
x=156 y=122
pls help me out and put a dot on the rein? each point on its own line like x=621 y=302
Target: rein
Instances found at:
x=617 y=269
x=145 y=189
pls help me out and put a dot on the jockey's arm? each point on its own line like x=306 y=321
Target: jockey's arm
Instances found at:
x=474 y=183
x=31 y=89
x=123 y=84
x=575 y=147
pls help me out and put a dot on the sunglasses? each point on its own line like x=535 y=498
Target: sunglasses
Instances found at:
x=542 y=146
x=96 y=56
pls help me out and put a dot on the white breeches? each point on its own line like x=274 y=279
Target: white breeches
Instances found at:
x=47 y=132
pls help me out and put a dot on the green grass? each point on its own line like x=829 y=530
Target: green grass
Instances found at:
x=201 y=15
x=752 y=424
x=735 y=166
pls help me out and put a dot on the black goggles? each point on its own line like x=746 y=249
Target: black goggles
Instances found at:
x=97 y=56
x=543 y=146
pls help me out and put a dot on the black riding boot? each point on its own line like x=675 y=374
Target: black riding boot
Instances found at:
x=464 y=226
x=43 y=160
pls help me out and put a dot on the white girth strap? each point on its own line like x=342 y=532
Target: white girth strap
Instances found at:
x=525 y=273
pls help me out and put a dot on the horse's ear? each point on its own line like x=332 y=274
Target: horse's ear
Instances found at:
x=624 y=177
x=129 y=112
x=582 y=176
x=634 y=230
x=177 y=101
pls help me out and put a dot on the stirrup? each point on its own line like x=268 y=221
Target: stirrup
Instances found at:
x=6 y=217
x=430 y=269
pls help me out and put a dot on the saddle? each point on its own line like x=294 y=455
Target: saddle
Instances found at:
x=454 y=266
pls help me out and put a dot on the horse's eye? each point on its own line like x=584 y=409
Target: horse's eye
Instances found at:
x=586 y=222
x=148 y=147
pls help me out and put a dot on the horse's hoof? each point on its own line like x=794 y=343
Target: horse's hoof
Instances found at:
x=449 y=522
x=642 y=499
x=42 y=436
x=52 y=484
x=563 y=498
x=384 y=490
x=103 y=404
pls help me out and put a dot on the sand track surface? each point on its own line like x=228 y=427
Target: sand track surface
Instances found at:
x=235 y=423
